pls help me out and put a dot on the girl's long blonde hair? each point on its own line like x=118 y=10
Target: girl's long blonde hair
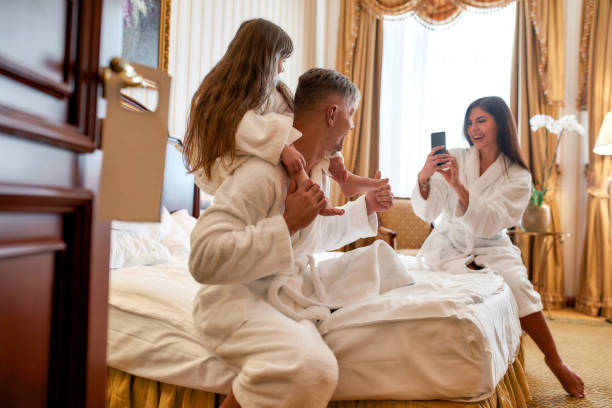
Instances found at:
x=242 y=80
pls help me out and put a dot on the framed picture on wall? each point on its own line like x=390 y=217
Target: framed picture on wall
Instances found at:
x=146 y=32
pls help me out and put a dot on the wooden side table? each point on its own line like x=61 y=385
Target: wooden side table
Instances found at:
x=549 y=239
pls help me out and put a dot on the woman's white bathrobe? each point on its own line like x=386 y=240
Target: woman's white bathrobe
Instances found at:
x=263 y=293
x=497 y=199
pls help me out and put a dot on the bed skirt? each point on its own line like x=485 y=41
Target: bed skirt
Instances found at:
x=127 y=391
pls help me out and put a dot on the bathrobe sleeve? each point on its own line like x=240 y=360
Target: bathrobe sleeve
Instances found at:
x=490 y=214
x=430 y=209
x=337 y=231
x=265 y=136
x=236 y=240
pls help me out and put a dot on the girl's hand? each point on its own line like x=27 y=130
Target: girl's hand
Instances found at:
x=337 y=170
x=431 y=164
x=331 y=211
x=292 y=160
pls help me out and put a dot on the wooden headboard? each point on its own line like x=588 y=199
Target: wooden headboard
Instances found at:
x=179 y=190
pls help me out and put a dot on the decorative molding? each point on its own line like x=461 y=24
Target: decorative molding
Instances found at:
x=28 y=76
x=31 y=247
x=164 y=35
x=34 y=127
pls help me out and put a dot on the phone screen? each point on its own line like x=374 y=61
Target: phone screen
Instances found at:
x=438 y=139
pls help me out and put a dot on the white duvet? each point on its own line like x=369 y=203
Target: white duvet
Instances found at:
x=448 y=336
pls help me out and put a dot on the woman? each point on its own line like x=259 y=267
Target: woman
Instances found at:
x=480 y=192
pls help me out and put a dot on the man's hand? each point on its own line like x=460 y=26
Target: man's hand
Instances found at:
x=303 y=204
x=292 y=160
x=380 y=199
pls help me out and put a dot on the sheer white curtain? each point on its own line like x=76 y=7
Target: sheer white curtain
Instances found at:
x=428 y=80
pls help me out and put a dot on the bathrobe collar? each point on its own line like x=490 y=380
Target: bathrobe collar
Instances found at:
x=478 y=183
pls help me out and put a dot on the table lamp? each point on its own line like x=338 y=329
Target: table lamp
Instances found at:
x=604 y=140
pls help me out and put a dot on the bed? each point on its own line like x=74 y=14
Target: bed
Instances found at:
x=450 y=340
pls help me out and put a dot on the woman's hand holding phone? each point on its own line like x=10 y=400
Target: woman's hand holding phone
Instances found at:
x=434 y=159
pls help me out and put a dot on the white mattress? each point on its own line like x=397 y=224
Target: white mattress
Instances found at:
x=448 y=336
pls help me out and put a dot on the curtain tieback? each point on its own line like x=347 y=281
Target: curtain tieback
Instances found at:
x=598 y=192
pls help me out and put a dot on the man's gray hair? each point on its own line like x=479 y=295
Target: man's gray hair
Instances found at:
x=316 y=84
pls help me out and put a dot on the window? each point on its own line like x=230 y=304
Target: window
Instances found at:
x=429 y=77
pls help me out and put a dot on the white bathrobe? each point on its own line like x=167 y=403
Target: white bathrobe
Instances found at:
x=262 y=133
x=497 y=199
x=263 y=293
x=264 y=136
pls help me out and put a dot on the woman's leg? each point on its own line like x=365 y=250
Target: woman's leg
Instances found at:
x=510 y=266
x=536 y=327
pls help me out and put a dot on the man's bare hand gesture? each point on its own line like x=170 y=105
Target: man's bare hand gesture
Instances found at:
x=303 y=204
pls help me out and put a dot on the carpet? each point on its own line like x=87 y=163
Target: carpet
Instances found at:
x=585 y=344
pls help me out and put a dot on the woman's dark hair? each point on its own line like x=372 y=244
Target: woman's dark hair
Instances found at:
x=507 y=139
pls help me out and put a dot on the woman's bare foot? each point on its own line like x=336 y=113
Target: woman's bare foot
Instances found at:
x=571 y=382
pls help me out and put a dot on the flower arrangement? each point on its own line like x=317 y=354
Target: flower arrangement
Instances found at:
x=557 y=127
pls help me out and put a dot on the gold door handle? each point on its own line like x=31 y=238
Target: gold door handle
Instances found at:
x=128 y=74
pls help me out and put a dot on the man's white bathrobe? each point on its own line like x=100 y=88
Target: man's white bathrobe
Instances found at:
x=263 y=293
x=497 y=199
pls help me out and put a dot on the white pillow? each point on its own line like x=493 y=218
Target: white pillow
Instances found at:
x=186 y=221
x=131 y=249
x=178 y=238
x=153 y=230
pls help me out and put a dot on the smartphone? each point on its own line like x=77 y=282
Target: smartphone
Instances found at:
x=439 y=139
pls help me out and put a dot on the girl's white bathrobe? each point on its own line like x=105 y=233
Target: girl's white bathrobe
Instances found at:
x=497 y=199
x=263 y=293
x=262 y=133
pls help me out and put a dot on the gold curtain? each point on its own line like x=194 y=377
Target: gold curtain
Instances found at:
x=596 y=59
x=360 y=59
x=538 y=88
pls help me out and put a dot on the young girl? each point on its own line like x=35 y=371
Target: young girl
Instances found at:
x=242 y=109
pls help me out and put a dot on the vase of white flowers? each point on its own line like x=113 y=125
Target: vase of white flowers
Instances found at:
x=537 y=214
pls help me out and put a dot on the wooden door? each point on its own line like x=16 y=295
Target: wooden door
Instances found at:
x=53 y=254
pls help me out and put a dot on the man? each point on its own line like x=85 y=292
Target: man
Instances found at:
x=254 y=249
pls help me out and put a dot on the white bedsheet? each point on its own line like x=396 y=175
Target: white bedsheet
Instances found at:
x=448 y=336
